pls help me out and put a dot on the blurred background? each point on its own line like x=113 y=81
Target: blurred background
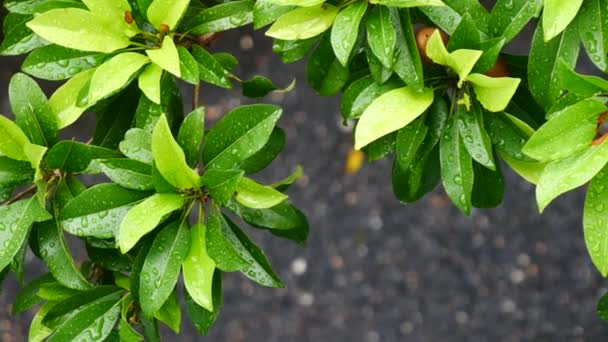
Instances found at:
x=374 y=269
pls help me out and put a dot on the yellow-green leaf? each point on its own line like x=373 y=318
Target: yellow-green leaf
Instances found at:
x=494 y=93
x=170 y=158
x=168 y=12
x=391 y=112
x=166 y=57
x=461 y=61
x=149 y=82
x=64 y=101
x=257 y=196
x=79 y=29
x=304 y=22
x=12 y=140
x=198 y=269
x=144 y=217
x=115 y=74
x=557 y=15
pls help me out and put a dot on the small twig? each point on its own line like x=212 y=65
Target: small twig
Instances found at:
x=196 y=96
x=21 y=195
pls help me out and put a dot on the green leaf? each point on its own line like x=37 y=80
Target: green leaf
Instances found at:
x=260 y=86
x=145 y=216
x=222 y=245
x=162 y=266
x=543 y=64
x=361 y=93
x=28 y=297
x=198 y=269
x=116 y=118
x=166 y=56
x=57 y=257
x=15 y=222
x=171 y=105
x=267 y=11
x=200 y=317
x=191 y=134
x=380 y=73
x=115 y=74
x=488 y=187
x=507 y=136
x=474 y=136
x=569 y=131
x=324 y=72
x=509 y=17
x=461 y=61
x=286 y=182
x=223 y=17
x=345 y=30
x=408 y=3
x=582 y=86
x=149 y=82
x=293 y=50
x=188 y=66
x=530 y=171
x=456 y=167
x=110 y=259
x=54 y=62
x=257 y=196
x=13 y=140
x=594 y=40
x=69 y=305
x=303 y=23
x=444 y=17
x=221 y=184
x=211 y=71
x=35 y=7
x=78 y=29
x=594 y=216
x=170 y=159
x=32 y=111
x=170 y=313
x=259 y=269
x=261 y=159
x=18 y=38
x=137 y=145
x=390 y=112
x=72 y=156
x=281 y=217
x=494 y=94
x=95 y=319
x=567 y=174
x=98 y=211
x=168 y=12
x=409 y=139
x=64 y=101
x=239 y=135
x=128 y=173
x=466 y=35
x=407 y=64
x=301 y=3
x=557 y=15
x=381 y=35
x=38 y=331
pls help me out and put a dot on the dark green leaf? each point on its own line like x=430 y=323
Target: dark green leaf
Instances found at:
x=456 y=167
x=55 y=63
x=162 y=266
x=200 y=317
x=239 y=135
x=324 y=72
x=32 y=111
x=191 y=134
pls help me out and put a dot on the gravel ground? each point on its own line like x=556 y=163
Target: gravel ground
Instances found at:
x=376 y=270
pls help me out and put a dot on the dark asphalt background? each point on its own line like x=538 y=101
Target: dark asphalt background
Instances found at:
x=374 y=269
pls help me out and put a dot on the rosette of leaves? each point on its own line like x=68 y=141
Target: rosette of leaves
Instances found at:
x=170 y=194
